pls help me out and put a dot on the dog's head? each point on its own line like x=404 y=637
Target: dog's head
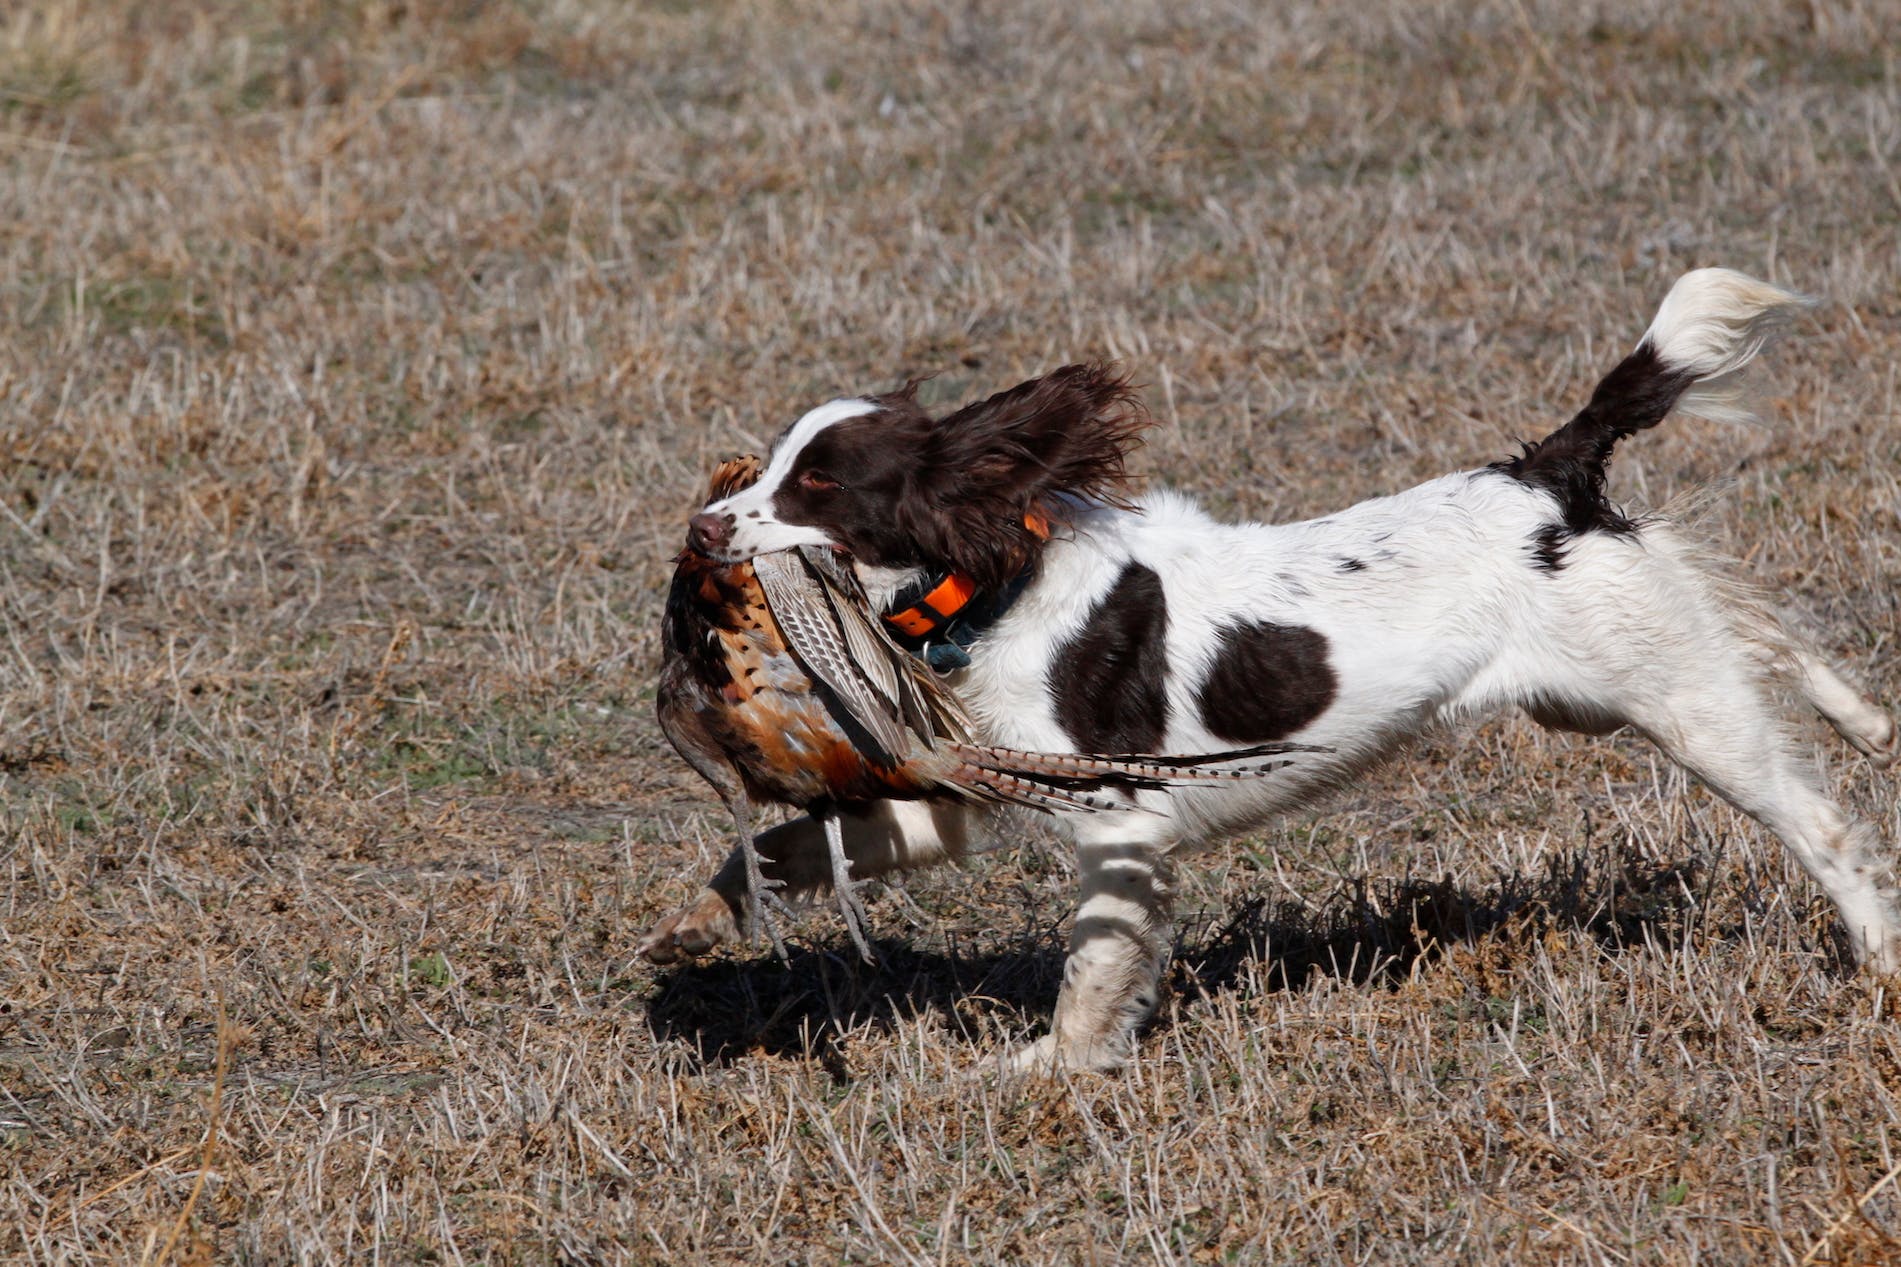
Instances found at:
x=878 y=477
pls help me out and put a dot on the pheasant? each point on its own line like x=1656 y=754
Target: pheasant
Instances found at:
x=778 y=684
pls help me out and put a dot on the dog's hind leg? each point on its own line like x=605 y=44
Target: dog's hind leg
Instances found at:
x=1775 y=641
x=1858 y=719
x=1720 y=727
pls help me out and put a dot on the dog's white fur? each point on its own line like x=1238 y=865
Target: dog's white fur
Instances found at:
x=1448 y=620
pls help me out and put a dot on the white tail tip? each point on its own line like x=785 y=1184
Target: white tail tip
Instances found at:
x=1712 y=323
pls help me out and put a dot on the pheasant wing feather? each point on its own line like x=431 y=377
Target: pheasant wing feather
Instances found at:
x=924 y=703
x=811 y=628
x=870 y=651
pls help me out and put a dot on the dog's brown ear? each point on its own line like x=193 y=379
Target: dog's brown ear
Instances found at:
x=1037 y=451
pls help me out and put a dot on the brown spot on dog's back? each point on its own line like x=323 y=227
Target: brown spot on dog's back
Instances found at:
x=1268 y=682
x=1110 y=680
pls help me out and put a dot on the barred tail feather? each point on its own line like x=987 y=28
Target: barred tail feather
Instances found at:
x=1055 y=781
x=1010 y=789
x=1138 y=770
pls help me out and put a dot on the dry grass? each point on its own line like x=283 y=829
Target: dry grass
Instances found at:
x=359 y=363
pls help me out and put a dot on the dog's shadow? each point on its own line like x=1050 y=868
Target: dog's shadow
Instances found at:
x=727 y=1008
x=1370 y=933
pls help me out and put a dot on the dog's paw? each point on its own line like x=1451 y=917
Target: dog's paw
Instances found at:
x=689 y=932
x=1882 y=958
x=1048 y=1057
x=1037 y=1060
x=1867 y=727
x=1881 y=746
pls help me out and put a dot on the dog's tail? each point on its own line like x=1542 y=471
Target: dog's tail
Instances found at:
x=1712 y=323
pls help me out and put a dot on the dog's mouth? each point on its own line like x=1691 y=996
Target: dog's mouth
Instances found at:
x=728 y=557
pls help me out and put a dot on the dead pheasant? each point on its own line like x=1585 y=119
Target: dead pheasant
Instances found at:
x=778 y=684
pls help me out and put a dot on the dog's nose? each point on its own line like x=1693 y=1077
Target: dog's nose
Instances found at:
x=707 y=533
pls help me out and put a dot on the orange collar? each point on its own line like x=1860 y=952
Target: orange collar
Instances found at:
x=934 y=616
x=936 y=608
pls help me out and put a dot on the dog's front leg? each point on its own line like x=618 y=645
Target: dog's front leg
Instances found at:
x=1117 y=953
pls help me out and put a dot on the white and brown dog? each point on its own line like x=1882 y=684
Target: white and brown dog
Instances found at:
x=1111 y=626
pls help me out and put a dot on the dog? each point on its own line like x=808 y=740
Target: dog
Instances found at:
x=1148 y=626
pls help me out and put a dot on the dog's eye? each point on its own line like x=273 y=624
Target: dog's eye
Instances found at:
x=818 y=482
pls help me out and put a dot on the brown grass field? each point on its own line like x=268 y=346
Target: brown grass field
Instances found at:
x=358 y=365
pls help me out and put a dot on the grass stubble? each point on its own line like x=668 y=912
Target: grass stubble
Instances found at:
x=359 y=363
